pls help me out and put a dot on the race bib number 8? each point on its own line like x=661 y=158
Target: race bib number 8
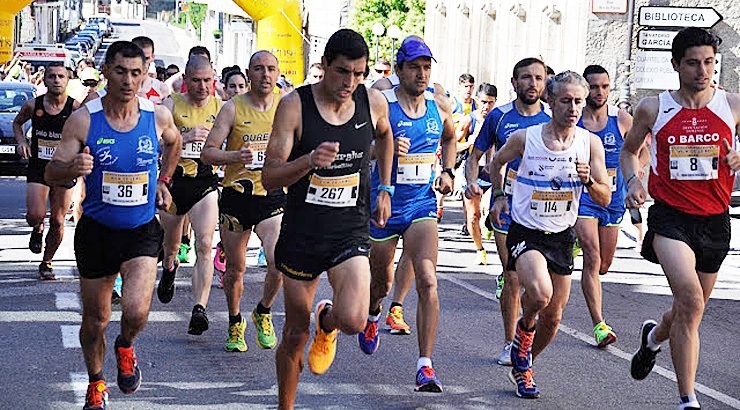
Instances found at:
x=694 y=162
x=258 y=154
x=125 y=189
x=415 y=168
x=509 y=181
x=550 y=204
x=340 y=192
x=612 y=174
x=47 y=148
x=192 y=149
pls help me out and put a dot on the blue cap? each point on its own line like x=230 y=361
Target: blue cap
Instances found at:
x=411 y=50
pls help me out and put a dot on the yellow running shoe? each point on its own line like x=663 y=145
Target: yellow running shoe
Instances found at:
x=324 y=345
x=394 y=322
x=235 y=340
x=480 y=257
x=265 y=337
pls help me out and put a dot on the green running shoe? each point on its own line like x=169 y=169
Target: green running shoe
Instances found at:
x=185 y=253
x=235 y=340
x=499 y=285
x=576 y=249
x=266 y=338
x=604 y=335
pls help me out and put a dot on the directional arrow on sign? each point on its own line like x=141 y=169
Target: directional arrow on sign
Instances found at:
x=704 y=17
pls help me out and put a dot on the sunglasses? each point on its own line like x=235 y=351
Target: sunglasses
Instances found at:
x=382 y=71
x=90 y=83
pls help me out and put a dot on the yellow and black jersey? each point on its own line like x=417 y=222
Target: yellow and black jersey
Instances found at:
x=253 y=126
x=187 y=117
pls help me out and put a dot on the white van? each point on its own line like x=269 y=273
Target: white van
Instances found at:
x=42 y=54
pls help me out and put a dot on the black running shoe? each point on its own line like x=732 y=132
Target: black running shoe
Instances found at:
x=46 y=272
x=464 y=230
x=644 y=358
x=34 y=244
x=198 y=321
x=166 y=287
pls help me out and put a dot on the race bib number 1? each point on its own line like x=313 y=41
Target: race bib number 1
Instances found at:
x=47 y=148
x=694 y=162
x=192 y=149
x=550 y=204
x=340 y=192
x=509 y=181
x=415 y=168
x=125 y=189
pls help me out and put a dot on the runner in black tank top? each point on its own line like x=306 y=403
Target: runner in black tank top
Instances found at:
x=46 y=132
x=320 y=149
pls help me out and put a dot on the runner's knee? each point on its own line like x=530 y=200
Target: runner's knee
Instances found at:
x=295 y=337
x=688 y=308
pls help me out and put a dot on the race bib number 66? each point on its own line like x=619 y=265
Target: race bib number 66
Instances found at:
x=125 y=189
x=340 y=191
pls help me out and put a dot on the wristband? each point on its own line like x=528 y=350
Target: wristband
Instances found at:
x=387 y=188
x=166 y=180
x=449 y=172
x=630 y=179
x=589 y=182
x=498 y=193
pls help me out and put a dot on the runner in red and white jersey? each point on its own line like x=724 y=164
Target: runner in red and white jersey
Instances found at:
x=691 y=178
x=152 y=89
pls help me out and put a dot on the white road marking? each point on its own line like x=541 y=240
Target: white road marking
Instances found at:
x=71 y=336
x=79 y=382
x=76 y=317
x=67 y=300
x=708 y=391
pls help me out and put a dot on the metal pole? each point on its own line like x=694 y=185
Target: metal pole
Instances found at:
x=377 y=40
x=393 y=52
x=625 y=69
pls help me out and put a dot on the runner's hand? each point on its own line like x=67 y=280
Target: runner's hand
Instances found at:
x=584 y=170
x=164 y=198
x=732 y=159
x=82 y=164
x=444 y=184
x=382 y=209
x=324 y=154
x=245 y=154
x=500 y=206
x=24 y=150
x=636 y=194
x=473 y=190
x=197 y=134
x=401 y=146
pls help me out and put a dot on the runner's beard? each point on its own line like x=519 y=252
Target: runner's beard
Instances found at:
x=593 y=104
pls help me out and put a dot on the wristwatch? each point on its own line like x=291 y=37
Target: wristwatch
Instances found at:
x=450 y=172
x=387 y=188
x=589 y=183
x=166 y=180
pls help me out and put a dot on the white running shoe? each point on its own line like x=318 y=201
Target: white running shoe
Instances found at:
x=504 y=358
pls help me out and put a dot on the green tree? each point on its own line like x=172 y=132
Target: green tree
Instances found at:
x=408 y=15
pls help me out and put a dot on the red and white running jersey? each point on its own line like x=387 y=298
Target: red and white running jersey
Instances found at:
x=155 y=93
x=687 y=169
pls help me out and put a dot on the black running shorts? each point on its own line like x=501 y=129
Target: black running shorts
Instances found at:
x=707 y=236
x=35 y=174
x=186 y=192
x=557 y=248
x=241 y=212
x=100 y=250
x=305 y=260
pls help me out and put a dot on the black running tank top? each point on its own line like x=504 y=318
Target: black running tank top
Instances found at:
x=332 y=203
x=46 y=129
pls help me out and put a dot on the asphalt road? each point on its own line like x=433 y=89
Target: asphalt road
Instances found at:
x=44 y=366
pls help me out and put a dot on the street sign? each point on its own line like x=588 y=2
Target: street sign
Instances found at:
x=655 y=39
x=654 y=71
x=609 y=6
x=704 y=17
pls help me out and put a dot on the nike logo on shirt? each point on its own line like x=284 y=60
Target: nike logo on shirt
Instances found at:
x=358 y=126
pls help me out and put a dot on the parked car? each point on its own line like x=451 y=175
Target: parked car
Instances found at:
x=12 y=97
x=102 y=21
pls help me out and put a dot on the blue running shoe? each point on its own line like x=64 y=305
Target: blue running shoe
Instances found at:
x=369 y=339
x=427 y=381
x=525 y=386
x=261 y=260
x=117 y=286
x=521 y=349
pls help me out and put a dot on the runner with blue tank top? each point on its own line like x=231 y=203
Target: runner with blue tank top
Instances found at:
x=598 y=226
x=525 y=111
x=114 y=143
x=426 y=123
x=468 y=131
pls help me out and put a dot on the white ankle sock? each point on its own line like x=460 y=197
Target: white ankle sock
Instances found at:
x=689 y=401
x=423 y=361
x=652 y=344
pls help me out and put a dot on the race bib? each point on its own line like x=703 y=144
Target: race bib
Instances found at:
x=415 y=168
x=47 y=148
x=612 y=174
x=258 y=154
x=340 y=192
x=125 y=189
x=694 y=162
x=192 y=149
x=550 y=204
x=509 y=181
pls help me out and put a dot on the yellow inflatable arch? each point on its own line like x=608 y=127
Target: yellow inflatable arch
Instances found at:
x=8 y=10
x=279 y=30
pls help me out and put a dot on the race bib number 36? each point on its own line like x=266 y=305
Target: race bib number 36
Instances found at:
x=47 y=148
x=125 y=189
x=341 y=191
x=694 y=162
x=550 y=204
x=258 y=154
x=509 y=181
x=192 y=149
x=415 y=168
